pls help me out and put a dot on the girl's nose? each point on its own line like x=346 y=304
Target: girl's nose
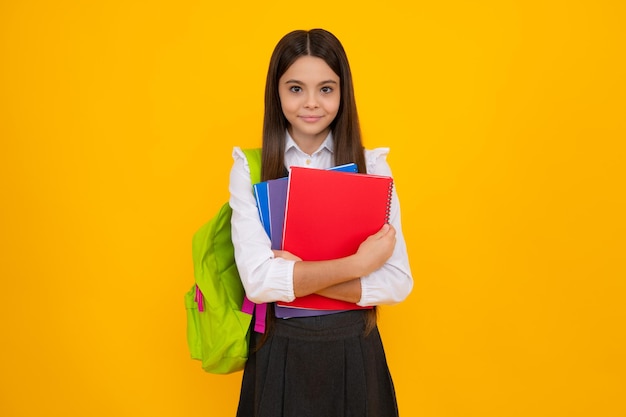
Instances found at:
x=311 y=102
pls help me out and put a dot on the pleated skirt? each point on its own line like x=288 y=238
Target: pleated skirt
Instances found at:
x=320 y=366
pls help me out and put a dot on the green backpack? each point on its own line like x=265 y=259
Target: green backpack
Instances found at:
x=218 y=332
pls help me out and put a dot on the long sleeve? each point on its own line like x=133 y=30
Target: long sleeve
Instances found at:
x=264 y=277
x=393 y=282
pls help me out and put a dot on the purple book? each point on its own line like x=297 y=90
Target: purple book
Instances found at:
x=289 y=312
x=277 y=199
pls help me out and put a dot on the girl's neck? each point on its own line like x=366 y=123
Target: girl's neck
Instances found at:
x=309 y=143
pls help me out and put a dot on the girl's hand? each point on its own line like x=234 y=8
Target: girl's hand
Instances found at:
x=285 y=255
x=376 y=249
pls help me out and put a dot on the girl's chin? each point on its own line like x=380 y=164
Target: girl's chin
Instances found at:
x=309 y=133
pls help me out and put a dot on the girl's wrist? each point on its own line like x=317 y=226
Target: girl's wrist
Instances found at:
x=358 y=265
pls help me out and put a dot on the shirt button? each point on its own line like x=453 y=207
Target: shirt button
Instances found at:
x=308 y=162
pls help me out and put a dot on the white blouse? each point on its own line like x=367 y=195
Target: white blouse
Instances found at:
x=268 y=279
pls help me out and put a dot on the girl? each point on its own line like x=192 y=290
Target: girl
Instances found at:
x=327 y=365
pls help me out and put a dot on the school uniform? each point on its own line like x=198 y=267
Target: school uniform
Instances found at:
x=322 y=365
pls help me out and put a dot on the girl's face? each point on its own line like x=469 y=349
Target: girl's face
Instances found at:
x=310 y=97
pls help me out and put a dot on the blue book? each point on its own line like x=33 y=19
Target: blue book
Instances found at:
x=261 y=192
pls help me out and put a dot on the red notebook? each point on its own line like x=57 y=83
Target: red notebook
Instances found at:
x=328 y=215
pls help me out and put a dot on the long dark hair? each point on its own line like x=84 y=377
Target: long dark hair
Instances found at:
x=322 y=44
x=346 y=131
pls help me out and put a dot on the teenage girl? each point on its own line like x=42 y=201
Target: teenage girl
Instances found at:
x=328 y=365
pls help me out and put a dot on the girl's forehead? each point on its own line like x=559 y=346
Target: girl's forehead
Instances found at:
x=311 y=68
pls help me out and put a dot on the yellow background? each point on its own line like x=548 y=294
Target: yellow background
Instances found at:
x=506 y=121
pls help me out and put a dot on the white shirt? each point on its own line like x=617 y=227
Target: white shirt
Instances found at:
x=268 y=279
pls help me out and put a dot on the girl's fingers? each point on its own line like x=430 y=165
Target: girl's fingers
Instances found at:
x=384 y=231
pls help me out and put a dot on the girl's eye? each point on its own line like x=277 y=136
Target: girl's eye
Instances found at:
x=295 y=89
x=327 y=90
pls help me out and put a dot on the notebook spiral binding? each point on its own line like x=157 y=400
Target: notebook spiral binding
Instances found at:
x=388 y=211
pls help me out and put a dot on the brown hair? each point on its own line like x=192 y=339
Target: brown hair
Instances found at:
x=346 y=131
x=322 y=44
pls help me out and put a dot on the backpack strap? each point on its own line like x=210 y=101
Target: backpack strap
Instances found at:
x=254 y=162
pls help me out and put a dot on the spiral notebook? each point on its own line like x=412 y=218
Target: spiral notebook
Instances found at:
x=328 y=215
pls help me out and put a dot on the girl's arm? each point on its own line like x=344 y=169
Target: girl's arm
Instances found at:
x=392 y=282
x=265 y=276
x=313 y=277
x=339 y=278
x=310 y=275
x=349 y=291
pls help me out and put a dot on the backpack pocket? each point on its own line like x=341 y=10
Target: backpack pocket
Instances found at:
x=194 y=341
x=218 y=336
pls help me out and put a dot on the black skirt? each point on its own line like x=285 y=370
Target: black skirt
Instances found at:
x=320 y=366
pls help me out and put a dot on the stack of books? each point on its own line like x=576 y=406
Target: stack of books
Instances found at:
x=318 y=215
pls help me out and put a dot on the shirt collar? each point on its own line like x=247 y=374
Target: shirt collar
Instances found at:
x=328 y=144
